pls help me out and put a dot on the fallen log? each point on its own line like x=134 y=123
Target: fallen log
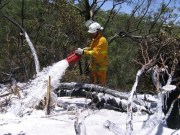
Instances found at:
x=96 y=88
x=102 y=97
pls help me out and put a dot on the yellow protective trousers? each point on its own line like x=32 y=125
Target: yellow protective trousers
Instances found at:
x=98 y=77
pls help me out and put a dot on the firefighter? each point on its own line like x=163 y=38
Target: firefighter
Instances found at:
x=98 y=54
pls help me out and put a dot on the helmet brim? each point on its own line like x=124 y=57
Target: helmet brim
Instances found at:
x=90 y=31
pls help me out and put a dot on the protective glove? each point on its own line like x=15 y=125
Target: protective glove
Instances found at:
x=79 y=51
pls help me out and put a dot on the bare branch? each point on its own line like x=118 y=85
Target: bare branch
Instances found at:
x=111 y=13
x=144 y=14
x=157 y=18
x=1 y=7
x=133 y=14
x=95 y=12
x=9 y=19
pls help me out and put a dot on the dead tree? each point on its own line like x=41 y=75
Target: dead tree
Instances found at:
x=152 y=51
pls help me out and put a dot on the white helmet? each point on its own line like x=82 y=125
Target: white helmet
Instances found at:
x=94 y=27
x=88 y=23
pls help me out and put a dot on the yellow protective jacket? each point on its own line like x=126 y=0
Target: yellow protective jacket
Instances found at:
x=98 y=53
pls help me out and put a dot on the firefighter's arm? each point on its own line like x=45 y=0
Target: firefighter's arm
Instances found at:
x=98 y=50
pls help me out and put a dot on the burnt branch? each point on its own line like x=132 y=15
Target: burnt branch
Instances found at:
x=137 y=7
x=12 y=21
x=158 y=16
x=2 y=6
x=123 y=34
x=144 y=14
x=112 y=13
